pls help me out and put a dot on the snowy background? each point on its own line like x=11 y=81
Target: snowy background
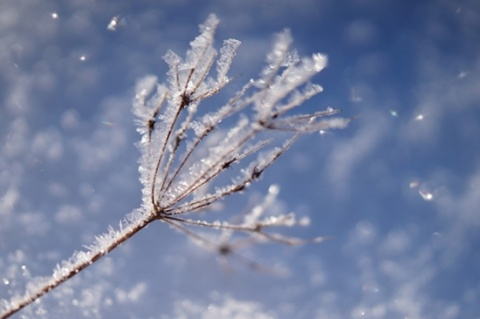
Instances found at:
x=398 y=190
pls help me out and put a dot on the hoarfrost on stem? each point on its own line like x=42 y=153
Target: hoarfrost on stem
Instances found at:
x=186 y=146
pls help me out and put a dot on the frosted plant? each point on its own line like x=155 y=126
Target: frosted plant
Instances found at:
x=190 y=150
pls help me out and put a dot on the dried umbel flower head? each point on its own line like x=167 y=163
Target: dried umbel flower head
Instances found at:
x=185 y=149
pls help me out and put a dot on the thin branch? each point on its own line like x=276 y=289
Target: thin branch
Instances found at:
x=70 y=269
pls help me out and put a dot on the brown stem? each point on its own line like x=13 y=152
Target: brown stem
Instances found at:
x=53 y=283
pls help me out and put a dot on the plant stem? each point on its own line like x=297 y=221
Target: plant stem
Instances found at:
x=16 y=304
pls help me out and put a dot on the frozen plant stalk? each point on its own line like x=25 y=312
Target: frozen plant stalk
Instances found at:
x=186 y=145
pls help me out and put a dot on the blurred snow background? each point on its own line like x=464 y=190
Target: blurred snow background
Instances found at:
x=399 y=190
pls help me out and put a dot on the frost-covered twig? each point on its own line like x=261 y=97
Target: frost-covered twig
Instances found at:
x=186 y=146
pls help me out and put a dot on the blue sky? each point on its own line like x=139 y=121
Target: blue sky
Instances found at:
x=398 y=190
